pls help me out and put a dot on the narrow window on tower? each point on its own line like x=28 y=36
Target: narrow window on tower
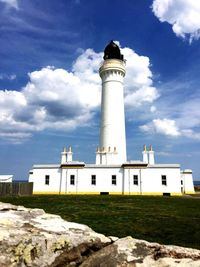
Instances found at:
x=164 y=179
x=72 y=179
x=135 y=179
x=114 y=179
x=93 y=179
x=47 y=178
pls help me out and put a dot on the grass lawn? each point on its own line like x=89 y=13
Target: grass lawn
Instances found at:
x=167 y=220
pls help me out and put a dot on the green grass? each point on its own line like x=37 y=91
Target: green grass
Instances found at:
x=167 y=220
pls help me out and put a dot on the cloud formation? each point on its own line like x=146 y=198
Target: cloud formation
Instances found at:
x=170 y=128
x=11 y=3
x=139 y=87
x=162 y=126
x=7 y=77
x=63 y=100
x=176 y=113
x=183 y=15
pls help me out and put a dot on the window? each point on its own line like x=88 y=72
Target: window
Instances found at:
x=164 y=179
x=114 y=180
x=30 y=172
x=93 y=179
x=135 y=179
x=181 y=182
x=72 y=179
x=47 y=177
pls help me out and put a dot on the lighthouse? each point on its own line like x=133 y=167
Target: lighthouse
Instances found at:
x=112 y=127
x=112 y=173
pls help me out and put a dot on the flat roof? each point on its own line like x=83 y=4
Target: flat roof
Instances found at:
x=102 y=166
x=164 y=166
x=45 y=166
x=131 y=163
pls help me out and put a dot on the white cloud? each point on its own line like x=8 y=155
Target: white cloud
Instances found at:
x=164 y=154
x=162 y=126
x=153 y=109
x=183 y=15
x=169 y=128
x=7 y=77
x=12 y=77
x=180 y=104
x=189 y=112
x=138 y=81
x=15 y=137
x=62 y=100
x=140 y=96
x=191 y=134
x=11 y=3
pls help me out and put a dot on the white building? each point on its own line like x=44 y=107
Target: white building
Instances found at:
x=6 y=178
x=111 y=174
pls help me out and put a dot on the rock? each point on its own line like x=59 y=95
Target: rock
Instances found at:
x=33 y=238
x=113 y=238
x=132 y=252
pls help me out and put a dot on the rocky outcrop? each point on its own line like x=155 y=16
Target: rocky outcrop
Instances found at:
x=132 y=252
x=31 y=237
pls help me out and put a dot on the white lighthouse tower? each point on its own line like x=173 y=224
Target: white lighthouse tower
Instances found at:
x=112 y=131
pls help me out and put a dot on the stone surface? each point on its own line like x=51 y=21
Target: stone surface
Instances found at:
x=31 y=237
x=133 y=252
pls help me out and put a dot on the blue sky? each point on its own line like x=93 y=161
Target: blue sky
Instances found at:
x=50 y=90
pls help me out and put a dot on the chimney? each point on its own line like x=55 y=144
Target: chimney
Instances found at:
x=151 y=156
x=145 y=155
x=64 y=156
x=69 y=154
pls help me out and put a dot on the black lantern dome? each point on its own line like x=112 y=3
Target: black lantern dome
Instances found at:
x=112 y=51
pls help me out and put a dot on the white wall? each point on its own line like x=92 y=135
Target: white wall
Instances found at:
x=149 y=180
x=129 y=187
x=83 y=180
x=152 y=181
x=188 y=185
x=38 y=179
